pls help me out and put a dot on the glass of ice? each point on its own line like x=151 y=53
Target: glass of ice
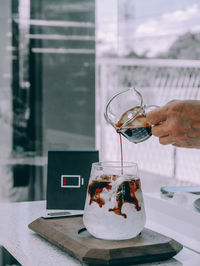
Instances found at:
x=114 y=207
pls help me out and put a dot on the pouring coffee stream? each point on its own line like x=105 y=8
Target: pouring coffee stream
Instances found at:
x=114 y=207
x=126 y=112
x=133 y=128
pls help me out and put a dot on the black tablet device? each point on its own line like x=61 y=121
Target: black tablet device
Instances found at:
x=68 y=174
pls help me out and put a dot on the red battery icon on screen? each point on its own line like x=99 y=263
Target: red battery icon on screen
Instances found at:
x=71 y=181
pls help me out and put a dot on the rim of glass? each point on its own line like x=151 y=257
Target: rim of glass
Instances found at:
x=116 y=164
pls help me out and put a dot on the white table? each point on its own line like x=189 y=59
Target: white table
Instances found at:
x=30 y=249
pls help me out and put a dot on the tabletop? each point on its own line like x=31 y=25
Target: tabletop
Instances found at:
x=32 y=250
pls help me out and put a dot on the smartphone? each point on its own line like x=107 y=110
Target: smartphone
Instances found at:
x=169 y=191
x=52 y=215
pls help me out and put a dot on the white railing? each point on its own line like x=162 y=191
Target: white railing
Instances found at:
x=159 y=81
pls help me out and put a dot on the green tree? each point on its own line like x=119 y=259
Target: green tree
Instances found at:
x=186 y=46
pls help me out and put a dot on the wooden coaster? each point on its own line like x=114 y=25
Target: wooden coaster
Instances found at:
x=68 y=234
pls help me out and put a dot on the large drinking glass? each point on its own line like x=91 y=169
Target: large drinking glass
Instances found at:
x=114 y=207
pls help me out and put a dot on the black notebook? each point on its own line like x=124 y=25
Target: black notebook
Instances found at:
x=68 y=174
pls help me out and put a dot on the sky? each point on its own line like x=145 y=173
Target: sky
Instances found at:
x=151 y=26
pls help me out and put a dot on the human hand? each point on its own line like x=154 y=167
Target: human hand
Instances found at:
x=177 y=123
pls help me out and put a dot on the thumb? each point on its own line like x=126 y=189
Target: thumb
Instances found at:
x=157 y=116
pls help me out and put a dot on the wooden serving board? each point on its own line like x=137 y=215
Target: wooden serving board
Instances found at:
x=66 y=233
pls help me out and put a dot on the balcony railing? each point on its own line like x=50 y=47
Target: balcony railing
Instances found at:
x=159 y=81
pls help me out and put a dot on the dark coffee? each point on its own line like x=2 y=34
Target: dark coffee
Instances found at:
x=95 y=189
x=135 y=130
x=136 y=135
x=121 y=149
x=126 y=193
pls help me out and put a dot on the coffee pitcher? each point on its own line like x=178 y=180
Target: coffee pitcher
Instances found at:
x=126 y=112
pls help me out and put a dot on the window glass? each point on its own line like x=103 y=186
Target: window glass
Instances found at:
x=47 y=88
x=154 y=46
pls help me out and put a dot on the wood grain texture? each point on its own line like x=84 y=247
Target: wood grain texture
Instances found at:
x=149 y=246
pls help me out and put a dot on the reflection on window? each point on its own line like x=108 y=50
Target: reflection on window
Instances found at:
x=47 y=88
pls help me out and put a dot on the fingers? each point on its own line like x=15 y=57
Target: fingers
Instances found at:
x=160 y=114
x=157 y=116
x=160 y=130
x=166 y=140
x=177 y=123
x=193 y=134
x=183 y=145
x=196 y=125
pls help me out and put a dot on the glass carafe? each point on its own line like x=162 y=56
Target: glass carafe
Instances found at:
x=114 y=207
x=126 y=112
